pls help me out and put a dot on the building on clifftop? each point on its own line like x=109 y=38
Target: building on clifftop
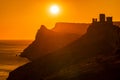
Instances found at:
x=102 y=20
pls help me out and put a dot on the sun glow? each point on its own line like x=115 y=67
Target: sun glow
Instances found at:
x=54 y=9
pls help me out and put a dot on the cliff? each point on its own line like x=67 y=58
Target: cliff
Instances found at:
x=48 y=41
x=93 y=56
x=75 y=28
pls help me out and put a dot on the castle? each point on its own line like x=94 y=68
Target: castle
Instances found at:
x=102 y=20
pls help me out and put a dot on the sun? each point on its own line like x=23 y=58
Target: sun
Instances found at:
x=54 y=9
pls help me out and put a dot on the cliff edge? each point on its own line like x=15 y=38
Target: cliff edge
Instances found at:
x=93 y=56
x=48 y=41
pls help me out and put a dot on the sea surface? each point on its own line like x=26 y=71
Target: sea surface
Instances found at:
x=9 y=59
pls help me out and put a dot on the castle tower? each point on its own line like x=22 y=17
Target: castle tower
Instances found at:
x=109 y=20
x=94 y=20
x=102 y=18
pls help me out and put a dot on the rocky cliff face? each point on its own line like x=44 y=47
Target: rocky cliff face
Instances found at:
x=94 y=56
x=48 y=41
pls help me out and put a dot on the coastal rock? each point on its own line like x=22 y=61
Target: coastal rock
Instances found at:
x=93 y=56
x=48 y=41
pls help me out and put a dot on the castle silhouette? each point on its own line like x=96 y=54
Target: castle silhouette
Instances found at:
x=103 y=20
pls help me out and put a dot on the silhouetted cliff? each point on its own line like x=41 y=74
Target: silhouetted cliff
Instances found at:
x=75 y=28
x=48 y=41
x=94 y=56
x=61 y=35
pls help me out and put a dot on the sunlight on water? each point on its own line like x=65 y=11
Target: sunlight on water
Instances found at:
x=8 y=59
x=3 y=75
x=8 y=67
x=5 y=69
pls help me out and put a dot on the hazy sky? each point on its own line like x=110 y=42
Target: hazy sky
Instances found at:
x=20 y=19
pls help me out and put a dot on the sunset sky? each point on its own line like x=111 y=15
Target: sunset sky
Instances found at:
x=20 y=19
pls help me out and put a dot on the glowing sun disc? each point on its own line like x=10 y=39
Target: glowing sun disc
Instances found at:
x=54 y=9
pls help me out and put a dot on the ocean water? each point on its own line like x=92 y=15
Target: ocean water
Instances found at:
x=9 y=59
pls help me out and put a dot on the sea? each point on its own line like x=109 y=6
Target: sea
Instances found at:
x=9 y=56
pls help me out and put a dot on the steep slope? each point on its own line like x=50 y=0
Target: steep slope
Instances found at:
x=94 y=55
x=47 y=41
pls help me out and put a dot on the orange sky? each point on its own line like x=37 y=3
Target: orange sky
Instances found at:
x=20 y=19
